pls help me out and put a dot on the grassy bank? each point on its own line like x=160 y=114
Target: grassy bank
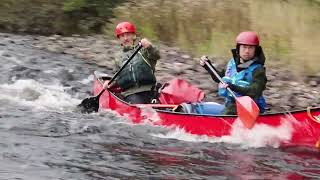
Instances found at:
x=289 y=30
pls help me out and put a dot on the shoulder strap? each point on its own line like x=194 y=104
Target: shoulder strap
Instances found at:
x=250 y=70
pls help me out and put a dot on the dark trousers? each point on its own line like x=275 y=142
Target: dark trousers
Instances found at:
x=140 y=98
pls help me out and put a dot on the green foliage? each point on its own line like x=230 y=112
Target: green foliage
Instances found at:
x=73 y=5
x=90 y=15
x=6 y=3
x=56 y=17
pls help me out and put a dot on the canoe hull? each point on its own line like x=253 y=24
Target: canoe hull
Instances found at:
x=305 y=128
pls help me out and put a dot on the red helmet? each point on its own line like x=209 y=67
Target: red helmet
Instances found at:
x=125 y=27
x=248 y=38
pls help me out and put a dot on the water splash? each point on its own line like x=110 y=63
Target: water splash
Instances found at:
x=150 y=114
x=87 y=80
x=32 y=93
x=261 y=135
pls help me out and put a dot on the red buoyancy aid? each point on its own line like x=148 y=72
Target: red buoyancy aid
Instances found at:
x=178 y=91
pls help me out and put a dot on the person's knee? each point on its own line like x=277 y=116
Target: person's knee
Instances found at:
x=186 y=108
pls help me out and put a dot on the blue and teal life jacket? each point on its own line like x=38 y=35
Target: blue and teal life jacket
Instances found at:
x=243 y=79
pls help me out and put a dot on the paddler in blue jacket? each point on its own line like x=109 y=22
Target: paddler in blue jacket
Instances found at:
x=245 y=74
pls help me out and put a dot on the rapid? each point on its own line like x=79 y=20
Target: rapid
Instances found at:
x=43 y=136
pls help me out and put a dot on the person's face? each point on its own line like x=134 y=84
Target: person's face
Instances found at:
x=247 y=52
x=127 y=39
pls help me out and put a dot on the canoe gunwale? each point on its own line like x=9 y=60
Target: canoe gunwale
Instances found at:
x=309 y=109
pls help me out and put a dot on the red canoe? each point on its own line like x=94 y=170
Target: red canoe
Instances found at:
x=304 y=124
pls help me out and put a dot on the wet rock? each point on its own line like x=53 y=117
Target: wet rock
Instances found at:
x=294 y=84
x=55 y=48
x=173 y=53
x=313 y=83
x=186 y=56
x=302 y=102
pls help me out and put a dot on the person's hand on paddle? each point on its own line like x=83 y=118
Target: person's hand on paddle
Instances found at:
x=229 y=85
x=106 y=85
x=112 y=87
x=233 y=87
x=224 y=85
x=203 y=59
x=145 y=43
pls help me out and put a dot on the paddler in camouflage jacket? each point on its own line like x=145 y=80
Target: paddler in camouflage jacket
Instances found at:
x=137 y=79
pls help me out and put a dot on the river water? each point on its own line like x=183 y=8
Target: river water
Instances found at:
x=44 y=137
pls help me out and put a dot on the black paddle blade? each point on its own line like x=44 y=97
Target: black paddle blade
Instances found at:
x=89 y=105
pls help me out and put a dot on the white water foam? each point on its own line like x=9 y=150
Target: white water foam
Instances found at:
x=32 y=93
x=88 y=80
x=150 y=114
x=261 y=135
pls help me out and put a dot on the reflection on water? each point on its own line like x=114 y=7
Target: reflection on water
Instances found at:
x=289 y=30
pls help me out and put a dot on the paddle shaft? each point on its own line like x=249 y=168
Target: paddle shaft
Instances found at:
x=247 y=109
x=220 y=79
x=123 y=66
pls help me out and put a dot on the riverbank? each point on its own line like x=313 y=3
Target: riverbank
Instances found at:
x=285 y=91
